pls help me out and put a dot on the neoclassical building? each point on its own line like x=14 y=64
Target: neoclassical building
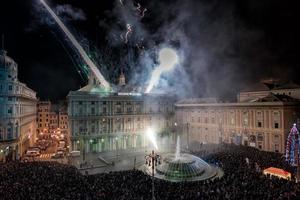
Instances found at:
x=102 y=120
x=17 y=111
x=263 y=122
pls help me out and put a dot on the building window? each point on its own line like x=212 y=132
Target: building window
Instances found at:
x=10 y=87
x=1 y=133
x=260 y=137
x=259 y=119
x=119 y=110
x=129 y=109
x=9 y=110
x=93 y=111
x=80 y=102
x=9 y=133
x=259 y=124
x=276 y=138
x=276 y=148
x=213 y=120
x=276 y=116
x=245 y=118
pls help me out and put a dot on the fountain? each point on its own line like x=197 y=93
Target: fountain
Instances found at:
x=184 y=167
x=177 y=154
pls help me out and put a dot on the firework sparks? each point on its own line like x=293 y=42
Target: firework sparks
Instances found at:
x=141 y=12
x=129 y=31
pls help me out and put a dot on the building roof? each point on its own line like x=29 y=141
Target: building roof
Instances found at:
x=289 y=85
x=198 y=100
x=5 y=60
x=257 y=87
x=277 y=98
x=269 y=86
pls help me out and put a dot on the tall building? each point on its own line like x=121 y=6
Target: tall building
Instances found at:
x=102 y=121
x=262 y=121
x=17 y=111
x=44 y=117
x=51 y=117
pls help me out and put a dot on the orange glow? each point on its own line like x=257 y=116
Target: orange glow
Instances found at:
x=273 y=171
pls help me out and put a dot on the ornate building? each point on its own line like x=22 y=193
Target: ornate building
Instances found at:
x=102 y=121
x=17 y=111
x=261 y=122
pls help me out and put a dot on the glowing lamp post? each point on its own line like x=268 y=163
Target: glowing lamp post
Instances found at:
x=152 y=160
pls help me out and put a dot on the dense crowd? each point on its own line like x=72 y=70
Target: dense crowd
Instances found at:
x=243 y=179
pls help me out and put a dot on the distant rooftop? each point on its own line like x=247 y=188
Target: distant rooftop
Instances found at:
x=269 y=85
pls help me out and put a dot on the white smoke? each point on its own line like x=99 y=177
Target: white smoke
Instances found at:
x=69 y=12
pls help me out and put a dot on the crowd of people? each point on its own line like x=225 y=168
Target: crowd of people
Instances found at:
x=243 y=179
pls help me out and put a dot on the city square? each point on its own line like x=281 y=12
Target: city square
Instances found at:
x=165 y=99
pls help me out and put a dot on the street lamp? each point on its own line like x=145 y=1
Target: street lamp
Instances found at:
x=116 y=148
x=187 y=134
x=152 y=160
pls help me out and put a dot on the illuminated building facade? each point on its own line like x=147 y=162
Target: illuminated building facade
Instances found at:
x=17 y=111
x=263 y=122
x=50 y=117
x=44 y=117
x=103 y=121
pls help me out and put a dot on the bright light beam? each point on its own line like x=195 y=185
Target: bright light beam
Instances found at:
x=168 y=59
x=83 y=54
x=151 y=136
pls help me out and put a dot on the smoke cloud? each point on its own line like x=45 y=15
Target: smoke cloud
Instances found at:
x=218 y=53
x=70 y=12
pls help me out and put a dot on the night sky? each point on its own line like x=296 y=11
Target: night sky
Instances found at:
x=226 y=46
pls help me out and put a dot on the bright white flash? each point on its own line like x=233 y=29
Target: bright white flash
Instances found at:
x=168 y=59
x=151 y=136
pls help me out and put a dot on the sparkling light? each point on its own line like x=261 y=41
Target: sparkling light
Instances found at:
x=151 y=136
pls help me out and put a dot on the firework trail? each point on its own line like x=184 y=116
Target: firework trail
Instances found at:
x=168 y=59
x=76 y=44
x=129 y=31
x=141 y=12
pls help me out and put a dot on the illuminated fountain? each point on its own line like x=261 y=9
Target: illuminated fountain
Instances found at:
x=184 y=167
